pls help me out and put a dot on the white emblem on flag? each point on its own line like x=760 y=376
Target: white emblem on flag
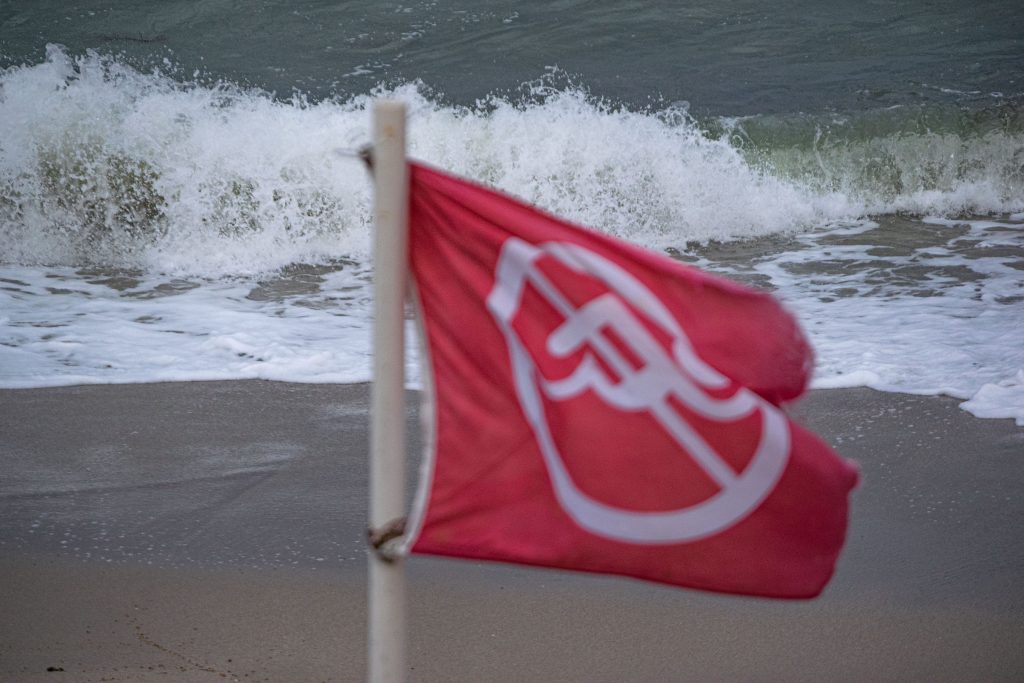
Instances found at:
x=678 y=373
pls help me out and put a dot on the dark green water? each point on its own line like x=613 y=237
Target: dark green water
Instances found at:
x=735 y=57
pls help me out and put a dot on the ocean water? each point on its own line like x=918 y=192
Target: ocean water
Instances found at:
x=179 y=200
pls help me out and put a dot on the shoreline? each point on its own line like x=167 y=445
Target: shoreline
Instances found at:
x=183 y=531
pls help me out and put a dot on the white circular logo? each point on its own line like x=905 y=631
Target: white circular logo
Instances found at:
x=674 y=373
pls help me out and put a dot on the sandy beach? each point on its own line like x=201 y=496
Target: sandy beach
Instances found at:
x=206 y=531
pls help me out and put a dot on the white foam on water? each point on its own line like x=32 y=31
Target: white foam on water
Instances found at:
x=1000 y=400
x=954 y=330
x=60 y=328
x=655 y=179
x=952 y=325
x=201 y=190
x=102 y=164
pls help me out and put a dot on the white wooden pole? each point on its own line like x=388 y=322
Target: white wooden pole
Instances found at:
x=386 y=632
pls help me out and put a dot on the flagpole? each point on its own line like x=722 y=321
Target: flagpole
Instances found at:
x=386 y=592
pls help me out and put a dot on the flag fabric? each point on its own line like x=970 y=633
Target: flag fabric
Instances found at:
x=600 y=407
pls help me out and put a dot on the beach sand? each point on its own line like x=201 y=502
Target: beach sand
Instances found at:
x=206 y=531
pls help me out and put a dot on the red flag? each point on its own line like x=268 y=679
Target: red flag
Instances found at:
x=603 y=408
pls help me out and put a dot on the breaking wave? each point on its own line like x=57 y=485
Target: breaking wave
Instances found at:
x=103 y=164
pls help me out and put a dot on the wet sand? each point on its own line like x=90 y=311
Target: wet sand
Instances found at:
x=212 y=531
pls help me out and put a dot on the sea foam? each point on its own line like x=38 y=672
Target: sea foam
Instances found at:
x=156 y=228
x=103 y=164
